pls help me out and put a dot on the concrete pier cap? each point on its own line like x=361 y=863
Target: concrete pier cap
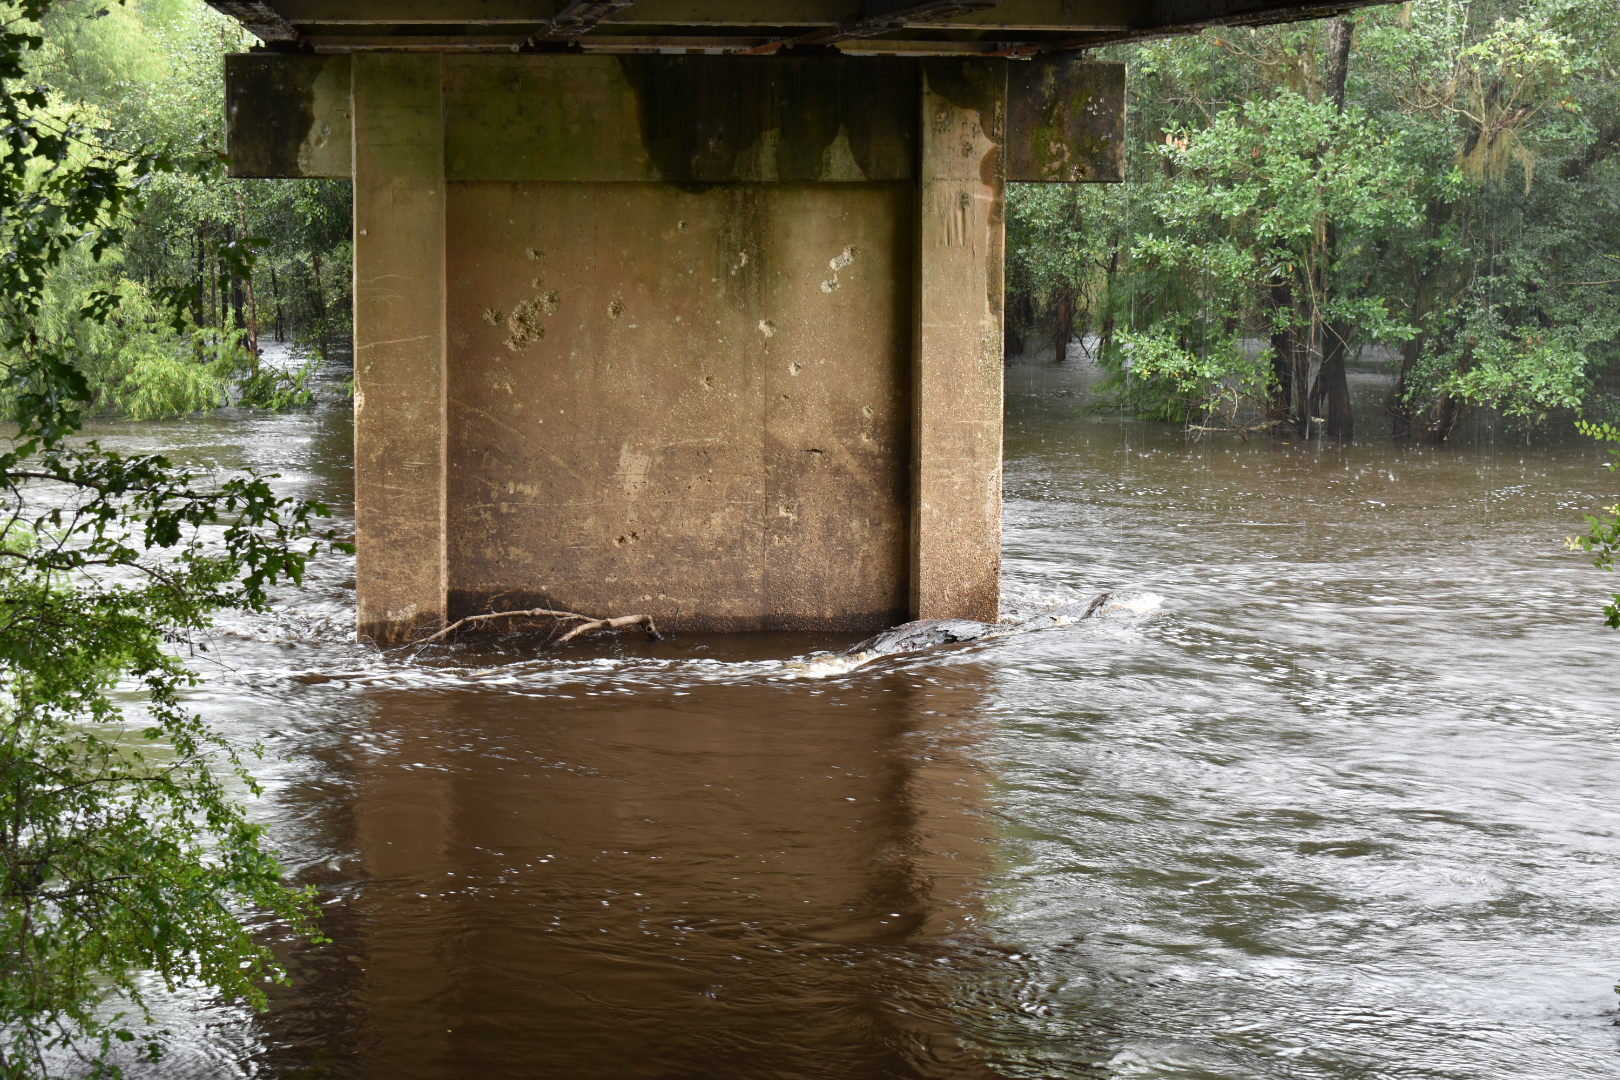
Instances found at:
x=688 y=309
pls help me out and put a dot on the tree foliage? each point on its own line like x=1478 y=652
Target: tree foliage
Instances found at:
x=1602 y=537
x=207 y=267
x=1435 y=181
x=122 y=847
x=1249 y=219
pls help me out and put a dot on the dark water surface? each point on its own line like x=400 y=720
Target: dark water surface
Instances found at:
x=1344 y=806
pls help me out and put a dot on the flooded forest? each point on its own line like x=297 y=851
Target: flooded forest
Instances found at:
x=1322 y=403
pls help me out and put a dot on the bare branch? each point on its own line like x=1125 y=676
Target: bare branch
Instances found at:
x=588 y=624
x=618 y=623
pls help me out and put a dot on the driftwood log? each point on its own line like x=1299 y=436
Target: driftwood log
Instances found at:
x=587 y=624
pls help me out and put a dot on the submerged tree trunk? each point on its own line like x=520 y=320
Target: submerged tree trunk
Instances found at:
x=1443 y=421
x=1302 y=372
x=1334 y=405
x=1015 y=327
x=252 y=319
x=1063 y=320
x=1280 y=404
x=1402 y=423
x=1105 y=333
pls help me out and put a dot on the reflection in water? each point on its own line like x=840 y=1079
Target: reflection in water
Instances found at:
x=723 y=883
x=1343 y=808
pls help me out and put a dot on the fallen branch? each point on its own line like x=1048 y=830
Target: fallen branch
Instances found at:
x=588 y=624
x=618 y=623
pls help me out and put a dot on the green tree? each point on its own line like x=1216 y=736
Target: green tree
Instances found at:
x=1602 y=537
x=1063 y=245
x=1492 y=132
x=122 y=848
x=1494 y=100
x=1250 y=220
x=144 y=77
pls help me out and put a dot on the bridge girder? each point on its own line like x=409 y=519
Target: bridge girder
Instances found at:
x=861 y=27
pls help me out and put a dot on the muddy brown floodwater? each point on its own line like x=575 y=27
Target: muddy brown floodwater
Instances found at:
x=1343 y=806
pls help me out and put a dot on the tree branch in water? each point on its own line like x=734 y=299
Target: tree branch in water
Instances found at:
x=587 y=623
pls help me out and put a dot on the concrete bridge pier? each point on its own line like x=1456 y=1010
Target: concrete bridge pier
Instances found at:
x=714 y=339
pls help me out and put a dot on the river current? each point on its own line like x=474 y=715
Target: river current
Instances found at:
x=1342 y=805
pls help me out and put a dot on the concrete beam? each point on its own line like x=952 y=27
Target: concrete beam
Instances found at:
x=578 y=19
x=678 y=120
x=900 y=27
x=673 y=119
x=1065 y=122
x=260 y=20
x=288 y=115
x=279 y=20
x=887 y=16
x=957 y=367
x=1194 y=13
x=399 y=333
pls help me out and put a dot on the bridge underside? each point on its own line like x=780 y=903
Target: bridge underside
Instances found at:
x=755 y=27
x=715 y=339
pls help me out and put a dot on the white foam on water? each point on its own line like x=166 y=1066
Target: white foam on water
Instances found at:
x=824 y=665
x=1140 y=603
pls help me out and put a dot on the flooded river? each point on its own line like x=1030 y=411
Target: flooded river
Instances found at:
x=1343 y=806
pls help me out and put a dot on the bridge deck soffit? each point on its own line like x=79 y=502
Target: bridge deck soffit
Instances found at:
x=1011 y=28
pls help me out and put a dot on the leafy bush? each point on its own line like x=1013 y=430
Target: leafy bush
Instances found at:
x=122 y=846
x=1602 y=537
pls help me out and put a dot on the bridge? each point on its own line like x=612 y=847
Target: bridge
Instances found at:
x=689 y=308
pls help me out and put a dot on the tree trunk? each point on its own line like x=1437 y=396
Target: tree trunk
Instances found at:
x=1063 y=330
x=213 y=288
x=1304 y=342
x=1448 y=410
x=1400 y=410
x=238 y=301
x=1279 y=406
x=1307 y=373
x=318 y=300
x=1444 y=419
x=1339 y=33
x=275 y=304
x=1339 y=423
x=1105 y=334
x=252 y=319
x=201 y=281
x=1015 y=327
x=246 y=287
x=1332 y=387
